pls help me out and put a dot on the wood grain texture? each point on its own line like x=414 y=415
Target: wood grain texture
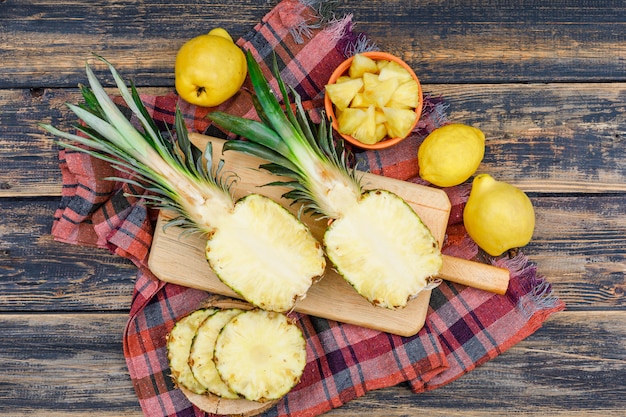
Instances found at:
x=572 y=366
x=38 y=274
x=447 y=42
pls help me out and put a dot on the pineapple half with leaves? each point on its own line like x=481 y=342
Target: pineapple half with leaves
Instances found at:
x=254 y=245
x=375 y=240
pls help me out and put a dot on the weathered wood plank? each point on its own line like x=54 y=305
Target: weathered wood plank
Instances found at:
x=467 y=42
x=40 y=274
x=139 y=37
x=64 y=365
x=575 y=362
x=545 y=138
x=28 y=155
x=498 y=41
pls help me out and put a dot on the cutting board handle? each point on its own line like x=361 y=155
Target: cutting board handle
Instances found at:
x=474 y=274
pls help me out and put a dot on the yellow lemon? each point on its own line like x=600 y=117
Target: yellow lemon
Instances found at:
x=209 y=69
x=451 y=154
x=498 y=215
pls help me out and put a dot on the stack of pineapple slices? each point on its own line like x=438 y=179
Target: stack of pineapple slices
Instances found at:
x=234 y=353
x=375 y=100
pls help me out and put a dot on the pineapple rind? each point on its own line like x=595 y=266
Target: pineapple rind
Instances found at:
x=179 y=342
x=260 y=355
x=201 y=355
x=383 y=249
x=253 y=251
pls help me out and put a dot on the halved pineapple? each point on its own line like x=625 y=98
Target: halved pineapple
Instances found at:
x=253 y=253
x=179 y=342
x=260 y=355
x=201 y=355
x=386 y=262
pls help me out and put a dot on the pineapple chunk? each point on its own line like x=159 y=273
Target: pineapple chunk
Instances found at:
x=381 y=92
x=201 y=355
x=268 y=274
x=399 y=121
x=341 y=94
x=179 y=342
x=387 y=258
x=343 y=78
x=350 y=119
x=260 y=355
x=361 y=65
x=394 y=70
x=405 y=96
x=360 y=100
x=366 y=132
x=381 y=63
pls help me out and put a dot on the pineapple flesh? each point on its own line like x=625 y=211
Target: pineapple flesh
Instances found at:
x=179 y=342
x=201 y=355
x=264 y=256
x=390 y=261
x=260 y=355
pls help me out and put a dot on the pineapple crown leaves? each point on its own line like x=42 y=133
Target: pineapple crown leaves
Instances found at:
x=146 y=157
x=287 y=138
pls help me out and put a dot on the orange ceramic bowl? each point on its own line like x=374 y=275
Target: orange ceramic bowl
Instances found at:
x=342 y=69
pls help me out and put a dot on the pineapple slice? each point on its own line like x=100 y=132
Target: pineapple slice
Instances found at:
x=361 y=65
x=341 y=94
x=260 y=355
x=399 y=121
x=179 y=342
x=386 y=262
x=269 y=273
x=201 y=355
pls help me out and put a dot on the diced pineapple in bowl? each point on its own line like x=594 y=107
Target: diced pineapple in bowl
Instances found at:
x=374 y=100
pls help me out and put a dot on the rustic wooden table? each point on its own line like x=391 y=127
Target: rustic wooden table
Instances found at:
x=546 y=82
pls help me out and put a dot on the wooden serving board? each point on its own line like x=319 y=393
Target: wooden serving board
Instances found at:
x=179 y=258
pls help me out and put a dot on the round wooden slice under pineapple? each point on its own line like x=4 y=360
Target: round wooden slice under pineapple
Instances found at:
x=212 y=403
x=216 y=405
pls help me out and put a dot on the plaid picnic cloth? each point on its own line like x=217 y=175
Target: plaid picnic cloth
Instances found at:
x=464 y=328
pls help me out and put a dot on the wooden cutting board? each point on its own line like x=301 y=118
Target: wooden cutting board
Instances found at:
x=179 y=258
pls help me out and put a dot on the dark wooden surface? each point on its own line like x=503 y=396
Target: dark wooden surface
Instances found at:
x=546 y=82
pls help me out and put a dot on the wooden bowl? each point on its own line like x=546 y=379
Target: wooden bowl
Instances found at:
x=342 y=69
